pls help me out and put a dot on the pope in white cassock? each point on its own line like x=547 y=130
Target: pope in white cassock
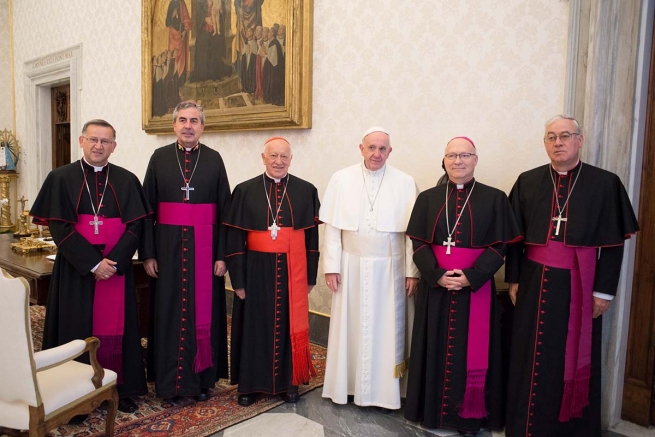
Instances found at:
x=367 y=260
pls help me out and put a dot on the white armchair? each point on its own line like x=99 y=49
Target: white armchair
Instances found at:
x=40 y=391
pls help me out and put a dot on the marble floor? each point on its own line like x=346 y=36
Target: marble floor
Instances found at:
x=314 y=416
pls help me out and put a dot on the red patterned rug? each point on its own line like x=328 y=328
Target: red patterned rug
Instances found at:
x=184 y=417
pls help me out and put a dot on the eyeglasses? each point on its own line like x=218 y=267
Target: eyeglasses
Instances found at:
x=462 y=156
x=94 y=140
x=564 y=136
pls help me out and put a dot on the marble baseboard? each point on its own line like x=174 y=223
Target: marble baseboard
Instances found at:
x=319 y=324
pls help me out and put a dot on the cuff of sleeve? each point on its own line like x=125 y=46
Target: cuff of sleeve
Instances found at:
x=603 y=295
x=93 y=270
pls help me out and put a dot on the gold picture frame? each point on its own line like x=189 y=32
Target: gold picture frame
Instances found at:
x=203 y=50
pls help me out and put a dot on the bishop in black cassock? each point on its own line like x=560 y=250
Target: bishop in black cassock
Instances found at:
x=85 y=286
x=272 y=257
x=183 y=248
x=458 y=229
x=563 y=275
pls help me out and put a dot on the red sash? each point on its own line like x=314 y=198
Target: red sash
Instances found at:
x=292 y=242
x=477 y=348
x=109 y=297
x=581 y=261
x=202 y=217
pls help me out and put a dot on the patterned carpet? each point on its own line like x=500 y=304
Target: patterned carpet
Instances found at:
x=184 y=417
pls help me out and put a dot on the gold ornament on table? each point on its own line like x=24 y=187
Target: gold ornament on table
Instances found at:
x=30 y=244
x=23 y=226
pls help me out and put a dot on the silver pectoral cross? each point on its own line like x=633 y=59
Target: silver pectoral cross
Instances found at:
x=448 y=243
x=187 y=189
x=273 y=228
x=559 y=221
x=95 y=224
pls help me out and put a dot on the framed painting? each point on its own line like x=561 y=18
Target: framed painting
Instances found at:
x=247 y=62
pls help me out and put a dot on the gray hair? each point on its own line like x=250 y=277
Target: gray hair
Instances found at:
x=99 y=122
x=565 y=117
x=189 y=104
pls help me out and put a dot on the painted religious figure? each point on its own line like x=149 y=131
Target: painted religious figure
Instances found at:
x=225 y=54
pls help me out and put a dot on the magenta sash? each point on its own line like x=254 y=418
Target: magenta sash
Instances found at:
x=477 y=349
x=202 y=217
x=109 y=296
x=581 y=261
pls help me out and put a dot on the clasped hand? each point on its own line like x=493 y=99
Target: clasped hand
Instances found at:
x=105 y=270
x=454 y=280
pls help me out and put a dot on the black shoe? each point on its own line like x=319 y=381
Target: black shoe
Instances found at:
x=351 y=399
x=127 y=405
x=383 y=410
x=77 y=420
x=203 y=396
x=291 y=398
x=246 y=400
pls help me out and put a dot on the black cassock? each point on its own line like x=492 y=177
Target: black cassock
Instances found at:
x=437 y=381
x=598 y=215
x=69 y=310
x=172 y=332
x=260 y=355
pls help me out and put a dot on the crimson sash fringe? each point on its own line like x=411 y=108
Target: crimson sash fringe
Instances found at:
x=110 y=354
x=565 y=407
x=303 y=368
x=474 y=406
x=203 y=359
x=580 y=398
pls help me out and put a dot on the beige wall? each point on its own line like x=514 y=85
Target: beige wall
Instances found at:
x=6 y=102
x=428 y=71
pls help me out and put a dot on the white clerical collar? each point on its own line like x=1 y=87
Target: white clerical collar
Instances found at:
x=277 y=180
x=564 y=173
x=374 y=172
x=460 y=186
x=96 y=169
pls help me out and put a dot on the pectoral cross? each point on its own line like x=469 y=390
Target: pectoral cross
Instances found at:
x=187 y=189
x=95 y=224
x=448 y=243
x=273 y=228
x=559 y=221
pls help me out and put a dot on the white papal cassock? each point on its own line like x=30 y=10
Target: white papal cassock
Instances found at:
x=366 y=215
